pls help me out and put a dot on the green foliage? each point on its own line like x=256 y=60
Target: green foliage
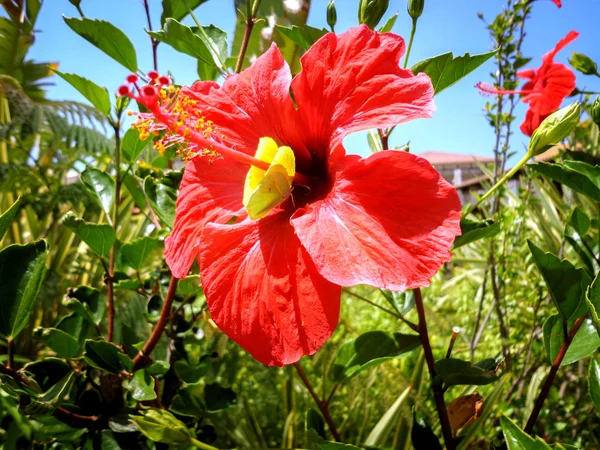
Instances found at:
x=100 y=238
x=96 y=95
x=517 y=439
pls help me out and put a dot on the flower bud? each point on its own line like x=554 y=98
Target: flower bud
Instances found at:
x=554 y=129
x=595 y=111
x=331 y=14
x=583 y=64
x=415 y=8
x=370 y=12
x=75 y=3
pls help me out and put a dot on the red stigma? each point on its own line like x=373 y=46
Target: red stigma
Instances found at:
x=132 y=78
x=123 y=91
x=149 y=91
x=164 y=81
x=153 y=74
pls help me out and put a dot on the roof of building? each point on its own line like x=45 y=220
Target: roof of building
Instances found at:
x=442 y=158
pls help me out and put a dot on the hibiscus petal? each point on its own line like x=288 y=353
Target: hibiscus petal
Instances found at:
x=353 y=81
x=208 y=192
x=264 y=291
x=389 y=221
x=251 y=104
x=549 y=57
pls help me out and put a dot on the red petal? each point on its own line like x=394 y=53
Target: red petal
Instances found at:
x=251 y=104
x=531 y=122
x=351 y=82
x=389 y=221
x=207 y=193
x=548 y=58
x=556 y=83
x=264 y=291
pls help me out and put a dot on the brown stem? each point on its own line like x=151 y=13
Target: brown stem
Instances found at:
x=539 y=403
x=74 y=419
x=322 y=404
x=165 y=315
x=438 y=394
x=153 y=41
x=412 y=325
x=384 y=135
x=10 y=363
x=13 y=373
x=245 y=42
x=115 y=223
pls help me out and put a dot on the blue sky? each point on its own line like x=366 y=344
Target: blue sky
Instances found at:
x=446 y=25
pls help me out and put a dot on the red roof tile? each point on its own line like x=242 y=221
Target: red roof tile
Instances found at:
x=441 y=158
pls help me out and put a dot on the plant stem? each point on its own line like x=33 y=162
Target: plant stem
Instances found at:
x=438 y=394
x=539 y=403
x=245 y=41
x=115 y=223
x=10 y=363
x=153 y=41
x=410 y=41
x=165 y=315
x=74 y=419
x=412 y=325
x=202 y=445
x=322 y=404
x=507 y=176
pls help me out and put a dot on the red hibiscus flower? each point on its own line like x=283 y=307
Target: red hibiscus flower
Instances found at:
x=273 y=283
x=558 y=3
x=546 y=87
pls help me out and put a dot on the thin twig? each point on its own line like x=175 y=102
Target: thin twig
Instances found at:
x=165 y=315
x=247 y=33
x=438 y=394
x=322 y=404
x=539 y=403
x=412 y=325
x=153 y=41
x=10 y=363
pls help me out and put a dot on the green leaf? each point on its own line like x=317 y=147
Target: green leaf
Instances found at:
x=189 y=286
x=402 y=302
x=591 y=172
x=473 y=230
x=177 y=9
x=141 y=386
x=328 y=445
x=102 y=185
x=96 y=95
x=579 y=221
x=380 y=432
x=517 y=439
x=159 y=425
x=305 y=36
x=162 y=200
x=99 y=237
x=87 y=302
x=189 y=401
x=135 y=253
x=314 y=426
x=132 y=146
x=45 y=403
x=210 y=49
x=22 y=269
x=65 y=345
x=454 y=371
x=133 y=186
x=445 y=70
x=584 y=344
x=387 y=26
x=594 y=382
x=107 y=38
x=108 y=441
x=7 y=217
x=218 y=397
x=192 y=373
x=422 y=436
x=369 y=349
x=106 y=356
x=573 y=179
x=592 y=299
x=567 y=285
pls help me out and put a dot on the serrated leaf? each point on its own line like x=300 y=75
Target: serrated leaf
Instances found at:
x=96 y=95
x=106 y=37
x=159 y=425
x=65 y=345
x=87 y=302
x=371 y=348
x=571 y=178
x=132 y=146
x=594 y=383
x=189 y=40
x=22 y=269
x=102 y=185
x=7 y=217
x=475 y=230
x=389 y=24
x=445 y=70
x=135 y=253
x=162 y=200
x=567 y=285
x=141 y=386
x=106 y=356
x=456 y=372
x=177 y=9
x=584 y=344
x=592 y=299
x=304 y=36
x=99 y=237
x=517 y=439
